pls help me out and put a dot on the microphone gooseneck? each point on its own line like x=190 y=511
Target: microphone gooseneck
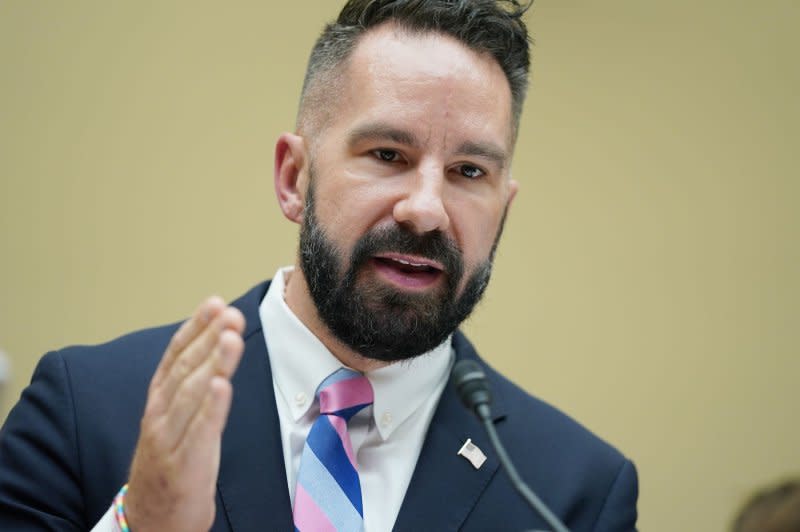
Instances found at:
x=473 y=389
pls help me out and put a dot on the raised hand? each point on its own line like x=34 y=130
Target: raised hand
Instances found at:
x=176 y=462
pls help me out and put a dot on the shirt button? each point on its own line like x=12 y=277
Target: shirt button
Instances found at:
x=386 y=419
x=300 y=399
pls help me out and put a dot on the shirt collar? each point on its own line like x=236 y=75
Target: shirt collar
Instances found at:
x=300 y=362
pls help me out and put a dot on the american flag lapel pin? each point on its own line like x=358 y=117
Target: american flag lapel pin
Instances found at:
x=471 y=452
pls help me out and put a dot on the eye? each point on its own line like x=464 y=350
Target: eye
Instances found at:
x=470 y=172
x=388 y=156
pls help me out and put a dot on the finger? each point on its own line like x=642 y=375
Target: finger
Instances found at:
x=234 y=319
x=231 y=349
x=216 y=413
x=204 y=314
x=199 y=449
x=198 y=351
x=187 y=332
x=193 y=391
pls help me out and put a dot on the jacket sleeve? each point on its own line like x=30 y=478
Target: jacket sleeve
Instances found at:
x=40 y=486
x=618 y=513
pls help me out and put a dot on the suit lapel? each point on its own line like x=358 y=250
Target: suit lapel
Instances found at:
x=440 y=472
x=252 y=478
x=252 y=486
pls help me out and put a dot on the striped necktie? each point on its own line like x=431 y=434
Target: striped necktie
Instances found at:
x=328 y=493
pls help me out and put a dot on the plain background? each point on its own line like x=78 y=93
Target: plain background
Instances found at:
x=647 y=282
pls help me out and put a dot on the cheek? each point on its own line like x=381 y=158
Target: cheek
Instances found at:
x=349 y=208
x=475 y=225
x=477 y=244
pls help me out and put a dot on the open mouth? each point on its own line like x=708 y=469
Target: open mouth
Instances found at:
x=408 y=271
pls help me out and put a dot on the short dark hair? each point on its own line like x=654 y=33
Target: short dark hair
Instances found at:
x=486 y=26
x=774 y=509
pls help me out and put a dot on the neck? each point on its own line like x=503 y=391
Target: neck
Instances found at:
x=298 y=298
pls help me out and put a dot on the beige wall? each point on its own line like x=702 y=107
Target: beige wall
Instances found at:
x=648 y=280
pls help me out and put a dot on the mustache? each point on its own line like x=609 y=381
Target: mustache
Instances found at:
x=433 y=245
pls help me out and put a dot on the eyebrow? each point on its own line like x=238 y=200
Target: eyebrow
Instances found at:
x=485 y=150
x=380 y=131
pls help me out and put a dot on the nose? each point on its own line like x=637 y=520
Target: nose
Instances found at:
x=422 y=207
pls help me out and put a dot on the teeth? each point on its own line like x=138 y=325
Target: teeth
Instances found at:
x=407 y=263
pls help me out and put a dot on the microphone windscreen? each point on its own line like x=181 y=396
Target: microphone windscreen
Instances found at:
x=471 y=384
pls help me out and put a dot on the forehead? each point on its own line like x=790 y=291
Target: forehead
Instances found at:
x=425 y=80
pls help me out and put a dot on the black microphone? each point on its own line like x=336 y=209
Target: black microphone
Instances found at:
x=473 y=388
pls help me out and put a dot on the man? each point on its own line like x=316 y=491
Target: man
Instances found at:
x=399 y=177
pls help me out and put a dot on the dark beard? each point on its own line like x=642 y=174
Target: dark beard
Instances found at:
x=373 y=318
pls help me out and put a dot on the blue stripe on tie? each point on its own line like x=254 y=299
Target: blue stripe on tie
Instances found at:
x=325 y=443
x=340 y=374
x=321 y=486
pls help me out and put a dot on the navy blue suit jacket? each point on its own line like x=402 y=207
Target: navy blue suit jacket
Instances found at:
x=66 y=447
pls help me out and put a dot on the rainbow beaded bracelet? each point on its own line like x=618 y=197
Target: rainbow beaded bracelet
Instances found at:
x=119 y=509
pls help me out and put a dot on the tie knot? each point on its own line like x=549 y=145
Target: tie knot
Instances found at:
x=344 y=393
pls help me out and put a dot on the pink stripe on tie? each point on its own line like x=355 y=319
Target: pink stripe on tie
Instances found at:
x=311 y=518
x=341 y=428
x=345 y=394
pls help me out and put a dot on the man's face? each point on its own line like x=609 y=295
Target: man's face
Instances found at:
x=408 y=190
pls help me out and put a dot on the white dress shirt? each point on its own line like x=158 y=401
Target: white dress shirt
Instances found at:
x=387 y=437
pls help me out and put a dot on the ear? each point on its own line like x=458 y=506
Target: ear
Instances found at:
x=513 y=187
x=290 y=175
